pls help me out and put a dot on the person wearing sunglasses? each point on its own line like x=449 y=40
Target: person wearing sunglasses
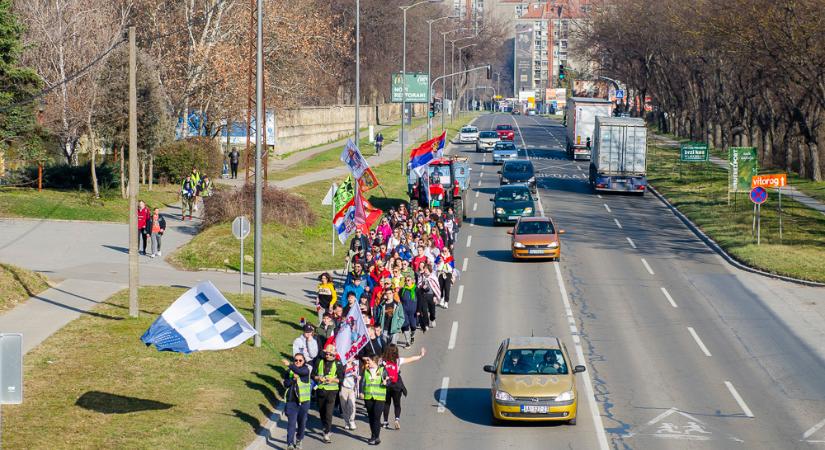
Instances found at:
x=297 y=395
x=327 y=375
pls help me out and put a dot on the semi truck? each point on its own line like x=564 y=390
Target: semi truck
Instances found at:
x=619 y=155
x=581 y=116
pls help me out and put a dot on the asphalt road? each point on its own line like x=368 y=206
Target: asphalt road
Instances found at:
x=681 y=351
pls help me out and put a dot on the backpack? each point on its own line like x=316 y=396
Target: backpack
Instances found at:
x=392 y=371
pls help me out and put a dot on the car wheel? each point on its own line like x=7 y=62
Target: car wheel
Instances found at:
x=571 y=422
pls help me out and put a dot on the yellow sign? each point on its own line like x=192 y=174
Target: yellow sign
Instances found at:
x=498 y=97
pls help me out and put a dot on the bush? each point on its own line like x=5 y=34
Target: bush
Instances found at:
x=279 y=206
x=175 y=160
x=64 y=176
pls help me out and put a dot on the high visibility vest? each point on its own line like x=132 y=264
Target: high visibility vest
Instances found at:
x=373 y=389
x=332 y=373
x=304 y=389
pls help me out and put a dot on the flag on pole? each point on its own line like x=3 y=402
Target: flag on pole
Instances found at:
x=345 y=219
x=421 y=156
x=200 y=319
x=360 y=212
x=351 y=336
x=353 y=158
x=344 y=193
x=368 y=181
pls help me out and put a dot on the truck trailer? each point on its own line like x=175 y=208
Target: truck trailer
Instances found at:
x=619 y=155
x=581 y=119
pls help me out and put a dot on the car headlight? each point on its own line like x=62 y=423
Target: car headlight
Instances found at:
x=528 y=210
x=553 y=244
x=566 y=396
x=518 y=245
x=499 y=210
x=504 y=397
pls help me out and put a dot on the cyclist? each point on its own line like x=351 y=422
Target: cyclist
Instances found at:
x=379 y=142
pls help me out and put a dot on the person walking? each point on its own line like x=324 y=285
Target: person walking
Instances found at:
x=205 y=189
x=234 y=159
x=298 y=392
x=395 y=384
x=155 y=227
x=327 y=376
x=446 y=272
x=306 y=345
x=143 y=215
x=187 y=197
x=410 y=306
x=326 y=296
x=196 y=179
x=348 y=394
x=391 y=319
x=374 y=391
x=325 y=330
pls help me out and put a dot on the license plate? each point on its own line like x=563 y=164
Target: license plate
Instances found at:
x=512 y=217
x=620 y=180
x=535 y=252
x=534 y=409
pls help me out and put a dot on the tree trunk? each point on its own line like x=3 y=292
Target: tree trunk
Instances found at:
x=92 y=155
x=151 y=170
x=816 y=169
x=142 y=171
x=122 y=174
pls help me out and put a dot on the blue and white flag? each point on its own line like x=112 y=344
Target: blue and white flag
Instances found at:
x=200 y=319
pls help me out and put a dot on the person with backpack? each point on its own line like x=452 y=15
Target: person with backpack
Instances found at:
x=395 y=384
x=327 y=375
x=374 y=393
x=187 y=197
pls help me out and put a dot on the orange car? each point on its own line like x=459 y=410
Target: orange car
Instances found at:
x=535 y=238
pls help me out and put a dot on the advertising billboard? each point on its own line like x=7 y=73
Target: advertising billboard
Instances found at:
x=417 y=86
x=524 y=57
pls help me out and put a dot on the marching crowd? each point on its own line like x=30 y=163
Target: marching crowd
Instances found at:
x=398 y=274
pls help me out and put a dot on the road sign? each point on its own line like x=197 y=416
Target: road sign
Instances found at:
x=619 y=93
x=11 y=368
x=759 y=195
x=775 y=181
x=240 y=227
x=743 y=167
x=693 y=152
x=417 y=86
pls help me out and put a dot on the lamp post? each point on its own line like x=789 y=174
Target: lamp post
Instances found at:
x=452 y=80
x=460 y=49
x=358 y=72
x=444 y=71
x=430 y=69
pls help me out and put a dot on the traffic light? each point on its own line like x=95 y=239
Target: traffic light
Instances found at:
x=489 y=72
x=432 y=108
x=561 y=71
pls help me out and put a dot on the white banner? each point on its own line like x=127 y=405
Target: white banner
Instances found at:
x=352 y=157
x=351 y=336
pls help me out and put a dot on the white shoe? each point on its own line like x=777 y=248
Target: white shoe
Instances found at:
x=160 y=254
x=432 y=324
x=352 y=426
x=152 y=255
x=446 y=306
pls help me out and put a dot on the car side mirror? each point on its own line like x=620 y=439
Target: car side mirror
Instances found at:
x=510 y=232
x=498 y=172
x=579 y=369
x=489 y=368
x=492 y=200
x=561 y=231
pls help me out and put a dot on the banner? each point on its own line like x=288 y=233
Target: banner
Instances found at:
x=352 y=336
x=743 y=164
x=353 y=158
x=345 y=223
x=368 y=181
x=344 y=193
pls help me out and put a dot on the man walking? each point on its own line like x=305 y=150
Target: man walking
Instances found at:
x=306 y=344
x=234 y=158
x=298 y=390
x=143 y=216
x=187 y=197
x=327 y=376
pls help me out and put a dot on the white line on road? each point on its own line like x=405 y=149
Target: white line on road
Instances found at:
x=442 y=395
x=599 y=195
x=464 y=265
x=479 y=183
x=469 y=239
x=813 y=429
x=481 y=175
x=698 y=341
x=472 y=221
x=475 y=206
x=453 y=335
x=477 y=192
x=580 y=168
x=647 y=267
x=738 y=399
x=632 y=244
x=617 y=223
x=669 y=298
x=460 y=295
x=607 y=208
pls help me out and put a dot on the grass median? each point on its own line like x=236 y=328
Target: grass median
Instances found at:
x=18 y=284
x=112 y=392
x=699 y=190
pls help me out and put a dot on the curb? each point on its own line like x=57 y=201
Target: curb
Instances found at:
x=264 y=432
x=312 y=272
x=719 y=250
x=35 y=219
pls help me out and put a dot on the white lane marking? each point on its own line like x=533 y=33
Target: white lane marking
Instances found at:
x=813 y=430
x=588 y=384
x=739 y=400
x=477 y=192
x=453 y=335
x=599 y=195
x=460 y=295
x=472 y=221
x=469 y=239
x=580 y=168
x=647 y=267
x=442 y=395
x=632 y=244
x=698 y=341
x=481 y=175
x=475 y=206
x=607 y=208
x=617 y=223
x=464 y=265
x=479 y=183
x=669 y=298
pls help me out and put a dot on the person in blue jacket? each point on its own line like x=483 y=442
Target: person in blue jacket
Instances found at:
x=298 y=392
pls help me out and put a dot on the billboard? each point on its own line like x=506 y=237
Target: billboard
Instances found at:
x=693 y=152
x=743 y=165
x=417 y=86
x=524 y=57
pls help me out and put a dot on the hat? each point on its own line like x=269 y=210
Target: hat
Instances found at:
x=330 y=349
x=308 y=328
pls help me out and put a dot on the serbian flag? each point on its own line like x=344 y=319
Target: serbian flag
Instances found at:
x=450 y=261
x=422 y=156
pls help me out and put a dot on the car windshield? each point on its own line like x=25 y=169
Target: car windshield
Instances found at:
x=518 y=168
x=504 y=127
x=469 y=130
x=505 y=146
x=488 y=134
x=535 y=227
x=534 y=362
x=513 y=195
x=441 y=174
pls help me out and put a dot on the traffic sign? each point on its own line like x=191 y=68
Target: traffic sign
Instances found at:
x=619 y=93
x=759 y=195
x=240 y=227
x=777 y=180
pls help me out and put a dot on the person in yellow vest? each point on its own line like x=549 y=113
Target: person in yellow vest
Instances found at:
x=327 y=374
x=297 y=396
x=374 y=392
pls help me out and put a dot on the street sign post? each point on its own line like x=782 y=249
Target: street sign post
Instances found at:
x=758 y=195
x=693 y=152
x=778 y=181
x=11 y=370
x=240 y=229
x=619 y=93
x=417 y=85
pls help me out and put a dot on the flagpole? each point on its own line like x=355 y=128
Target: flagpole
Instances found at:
x=332 y=207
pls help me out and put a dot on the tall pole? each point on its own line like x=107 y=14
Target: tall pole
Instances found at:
x=452 y=81
x=259 y=145
x=357 y=77
x=429 y=75
x=403 y=87
x=134 y=279
x=443 y=74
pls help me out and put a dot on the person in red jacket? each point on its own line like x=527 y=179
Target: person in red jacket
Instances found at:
x=143 y=216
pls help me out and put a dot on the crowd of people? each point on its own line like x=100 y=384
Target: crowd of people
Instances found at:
x=192 y=189
x=398 y=274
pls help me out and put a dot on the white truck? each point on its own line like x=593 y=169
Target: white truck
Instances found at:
x=619 y=160
x=581 y=119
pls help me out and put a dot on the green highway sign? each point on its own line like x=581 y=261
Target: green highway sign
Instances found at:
x=744 y=166
x=693 y=152
x=417 y=86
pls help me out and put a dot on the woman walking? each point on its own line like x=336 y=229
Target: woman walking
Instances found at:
x=410 y=307
x=155 y=227
x=326 y=296
x=374 y=390
x=395 y=384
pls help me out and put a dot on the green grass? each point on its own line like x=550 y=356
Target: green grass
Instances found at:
x=93 y=384
x=18 y=284
x=78 y=205
x=701 y=194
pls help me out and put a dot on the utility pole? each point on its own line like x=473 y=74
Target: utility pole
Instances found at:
x=357 y=75
x=260 y=126
x=134 y=279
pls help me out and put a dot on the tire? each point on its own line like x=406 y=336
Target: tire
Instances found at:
x=571 y=422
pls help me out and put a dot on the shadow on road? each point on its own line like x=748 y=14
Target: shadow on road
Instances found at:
x=473 y=405
x=116 y=248
x=496 y=255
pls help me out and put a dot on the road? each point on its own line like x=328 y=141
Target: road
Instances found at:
x=681 y=350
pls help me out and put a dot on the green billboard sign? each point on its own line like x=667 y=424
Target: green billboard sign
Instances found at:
x=744 y=166
x=693 y=152
x=417 y=86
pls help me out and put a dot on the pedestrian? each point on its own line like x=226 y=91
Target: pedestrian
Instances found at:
x=156 y=226
x=356 y=289
x=327 y=375
x=205 y=188
x=348 y=394
x=358 y=246
x=196 y=179
x=379 y=143
x=374 y=392
x=426 y=295
x=410 y=306
x=446 y=273
x=325 y=330
x=187 y=197
x=391 y=319
x=143 y=215
x=298 y=392
x=306 y=345
x=234 y=159
x=395 y=384
x=326 y=295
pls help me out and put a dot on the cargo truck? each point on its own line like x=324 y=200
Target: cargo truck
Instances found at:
x=619 y=155
x=581 y=119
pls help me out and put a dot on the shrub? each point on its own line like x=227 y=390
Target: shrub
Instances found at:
x=279 y=206
x=64 y=176
x=175 y=160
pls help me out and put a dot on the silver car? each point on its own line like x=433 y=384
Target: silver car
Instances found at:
x=468 y=134
x=486 y=141
x=503 y=151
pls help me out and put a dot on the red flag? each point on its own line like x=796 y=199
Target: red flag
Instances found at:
x=360 y=212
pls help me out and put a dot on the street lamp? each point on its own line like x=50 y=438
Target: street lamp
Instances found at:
x=429 y=70
x=444 y=71
x=452 y=81
x=460 y=62
x=404 y=73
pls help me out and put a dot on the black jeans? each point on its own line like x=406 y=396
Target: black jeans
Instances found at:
x=374 y=410
x=431 y=309
x=326 y=406
x=393 y=396
x=446 y=284
x=144 y=239
x=234 y=167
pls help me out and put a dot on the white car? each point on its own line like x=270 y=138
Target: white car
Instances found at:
x=486 y=141
x=468 y=135
x=503 y=151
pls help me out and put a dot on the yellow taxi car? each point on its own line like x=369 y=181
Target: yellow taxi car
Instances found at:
x=533 y=380
x=535 y=238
